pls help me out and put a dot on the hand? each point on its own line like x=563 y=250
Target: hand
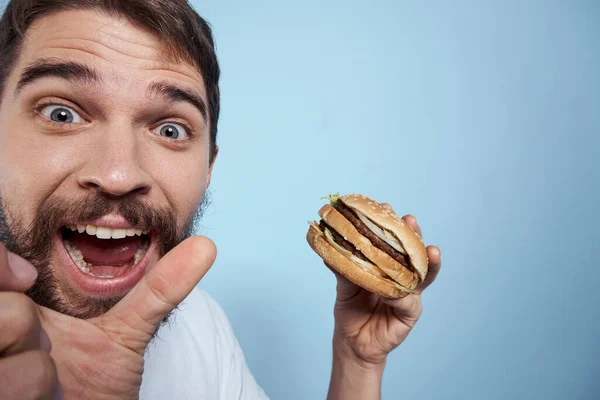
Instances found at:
x=26 y=369
x=368 y=327
x=102 y=358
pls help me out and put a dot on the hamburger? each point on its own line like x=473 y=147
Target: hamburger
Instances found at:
x=369 y=245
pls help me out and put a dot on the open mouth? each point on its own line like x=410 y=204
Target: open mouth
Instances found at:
x=104 y=252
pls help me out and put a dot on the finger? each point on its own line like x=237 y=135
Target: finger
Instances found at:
x=29 y=375
x=435 y=264
x=387 y=207
x=16 y=273
x=20 y=327
x=345 y=288
x=412 y=222
x=160 y=291
x=407 y=310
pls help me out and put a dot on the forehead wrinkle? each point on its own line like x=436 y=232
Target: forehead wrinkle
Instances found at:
x=99 y=33
x=83 y=50
x=91 y=51
x=195 y=80
x=136 y=43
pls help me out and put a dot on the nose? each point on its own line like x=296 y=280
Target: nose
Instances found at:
x=114 y=164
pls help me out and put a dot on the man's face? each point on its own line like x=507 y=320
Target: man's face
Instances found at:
x=104 y=157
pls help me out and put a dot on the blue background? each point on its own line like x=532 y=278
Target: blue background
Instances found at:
x=480 y=118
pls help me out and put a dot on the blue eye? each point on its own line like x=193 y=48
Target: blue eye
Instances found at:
x=61 y=114
x=171 y=131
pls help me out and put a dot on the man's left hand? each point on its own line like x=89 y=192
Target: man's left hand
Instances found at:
x=367 y=326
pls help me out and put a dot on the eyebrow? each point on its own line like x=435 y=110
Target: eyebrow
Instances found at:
x=73 y=71
x=176 y=94
x=48 y=68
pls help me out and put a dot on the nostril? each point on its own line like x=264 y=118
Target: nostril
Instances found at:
x=142 y=189
x=115 y=187
x=90 y=184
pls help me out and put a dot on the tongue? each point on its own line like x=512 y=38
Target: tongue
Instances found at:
x=113 y=252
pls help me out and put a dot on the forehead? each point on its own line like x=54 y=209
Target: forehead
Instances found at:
x=112 y=45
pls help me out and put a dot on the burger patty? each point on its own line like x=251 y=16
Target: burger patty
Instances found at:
x=369 y=234
x=339 y=239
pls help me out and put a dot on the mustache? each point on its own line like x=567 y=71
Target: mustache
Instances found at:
x=90 y=208
x=53 y=213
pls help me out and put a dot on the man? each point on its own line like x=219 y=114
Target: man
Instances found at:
x=108 y=124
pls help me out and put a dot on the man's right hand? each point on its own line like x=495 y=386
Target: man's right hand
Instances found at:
x=99 y=358
x=26 y=369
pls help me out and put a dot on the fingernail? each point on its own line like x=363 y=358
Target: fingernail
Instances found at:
x=45 y=344
x=21 y=268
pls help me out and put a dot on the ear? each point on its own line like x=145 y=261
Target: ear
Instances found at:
x=210 y=168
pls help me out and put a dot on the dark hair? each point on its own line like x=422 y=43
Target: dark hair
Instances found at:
x=187 y=35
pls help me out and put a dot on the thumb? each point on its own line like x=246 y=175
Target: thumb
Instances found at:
x=345 y=288
x=135 y=318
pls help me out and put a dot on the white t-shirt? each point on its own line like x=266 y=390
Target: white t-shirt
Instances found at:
x=196 y=356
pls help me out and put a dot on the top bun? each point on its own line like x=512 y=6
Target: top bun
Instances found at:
x=410 y=240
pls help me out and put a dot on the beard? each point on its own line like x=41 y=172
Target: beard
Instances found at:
x=35 y=242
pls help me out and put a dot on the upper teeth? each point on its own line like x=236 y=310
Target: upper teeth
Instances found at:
x=107 y=233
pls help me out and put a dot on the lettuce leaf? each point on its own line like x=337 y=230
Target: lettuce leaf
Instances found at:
x=333 y=198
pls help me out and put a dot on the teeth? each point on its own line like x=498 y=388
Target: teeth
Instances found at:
x=82 y=265
x=119 y=233
x=77 y=255
x=102 y=233
x=139 y=254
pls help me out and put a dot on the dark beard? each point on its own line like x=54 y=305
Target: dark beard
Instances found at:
x=35 y=243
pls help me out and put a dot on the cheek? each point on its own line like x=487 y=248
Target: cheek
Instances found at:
x=32 y=165
x=182 y=178
x=36 y=165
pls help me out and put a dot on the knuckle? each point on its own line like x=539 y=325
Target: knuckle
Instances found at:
x=20 y=316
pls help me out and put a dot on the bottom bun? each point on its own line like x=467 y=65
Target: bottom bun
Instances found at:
x=349 y=269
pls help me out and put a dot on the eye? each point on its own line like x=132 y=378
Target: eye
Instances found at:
x=172 y=131
x=61 y=114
